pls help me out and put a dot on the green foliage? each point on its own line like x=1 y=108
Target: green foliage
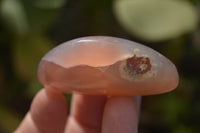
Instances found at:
x=9 y=119
x=156 y=20
x=48 y=4
x=40 y=14
x=27 y=16
x=14 y=16
x=27 y=52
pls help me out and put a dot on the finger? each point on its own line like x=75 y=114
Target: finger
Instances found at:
x=137 y=100
x=120 y=115
x=86 y=114
x=47 y=114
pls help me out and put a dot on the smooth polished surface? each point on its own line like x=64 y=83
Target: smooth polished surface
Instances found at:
x=107 y=66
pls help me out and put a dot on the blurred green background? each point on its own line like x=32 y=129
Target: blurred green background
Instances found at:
x=29 y=28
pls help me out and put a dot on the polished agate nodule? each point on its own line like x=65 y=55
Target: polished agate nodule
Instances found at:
x=107 y=66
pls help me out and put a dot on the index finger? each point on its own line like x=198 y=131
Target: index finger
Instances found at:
x=48 y=114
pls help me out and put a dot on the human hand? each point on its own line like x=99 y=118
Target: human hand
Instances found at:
x=88 y=114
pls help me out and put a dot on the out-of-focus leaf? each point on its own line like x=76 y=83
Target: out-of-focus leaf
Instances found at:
x=14 y=16
x=174 y=50
x=68 y=98
x=156 y=20
x=186 y=87
x=27 y=53
x=22 y=16
x=1 y=76
x=48 y=3
x=9 y=119
x=184 y=129
x=33 y=87
x=173 y=107
x=196 y=40
x=41 y=18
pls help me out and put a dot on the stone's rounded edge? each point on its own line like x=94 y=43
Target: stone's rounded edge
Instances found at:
x=175 y=77
x=40 y=73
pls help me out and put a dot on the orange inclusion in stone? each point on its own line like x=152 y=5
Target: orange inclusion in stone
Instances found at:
x=134 y=65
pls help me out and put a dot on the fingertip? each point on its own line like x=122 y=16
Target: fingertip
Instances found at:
x=137 y=100
x=86 y=114
x=48 y=113
x=27 y=126
x=120 y=115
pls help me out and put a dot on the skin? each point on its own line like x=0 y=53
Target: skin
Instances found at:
x=89 y=114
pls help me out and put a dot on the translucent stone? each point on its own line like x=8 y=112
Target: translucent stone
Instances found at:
x=107 y=66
